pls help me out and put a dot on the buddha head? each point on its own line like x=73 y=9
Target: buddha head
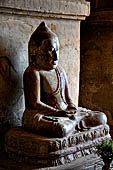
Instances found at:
x=46 y=48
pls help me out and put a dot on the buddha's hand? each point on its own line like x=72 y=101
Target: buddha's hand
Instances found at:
x=38 y=116
x=58 y=113
x=72 y=116
x=62 y=113
x=71 y=109
x=68 y=114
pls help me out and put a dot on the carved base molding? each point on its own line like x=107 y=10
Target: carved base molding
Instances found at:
x=38 y=150
x=88 y=162
x=50 y=162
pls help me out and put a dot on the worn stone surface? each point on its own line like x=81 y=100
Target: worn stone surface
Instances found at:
x=79 y=8
x=13 y=60
x=43 y=151
x=96 y=91
x=18 y=20
x=90 y=162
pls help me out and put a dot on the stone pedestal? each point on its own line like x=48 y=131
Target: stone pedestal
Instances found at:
x=42 y=151
x=18 y=20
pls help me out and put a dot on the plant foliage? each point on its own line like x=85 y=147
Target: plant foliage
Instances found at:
x=105 y=150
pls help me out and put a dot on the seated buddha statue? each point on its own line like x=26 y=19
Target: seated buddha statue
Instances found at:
x=50 y=110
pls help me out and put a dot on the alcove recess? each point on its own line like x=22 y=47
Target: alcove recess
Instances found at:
x=18 y=21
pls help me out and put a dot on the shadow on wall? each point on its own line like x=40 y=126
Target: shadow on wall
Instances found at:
x=96 y=80
x=7 y=87
x=101 y=3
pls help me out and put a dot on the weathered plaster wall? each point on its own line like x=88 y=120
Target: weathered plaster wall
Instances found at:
x=14 y=36
x=18 y=20
x=96 y=91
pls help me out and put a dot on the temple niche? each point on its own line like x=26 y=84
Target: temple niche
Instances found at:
x=54 y=130
x=15 y=32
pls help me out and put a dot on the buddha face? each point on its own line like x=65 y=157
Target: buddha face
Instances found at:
x=48 y=54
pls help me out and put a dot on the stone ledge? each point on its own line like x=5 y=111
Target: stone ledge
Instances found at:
x=47 y=8
x=86 y=163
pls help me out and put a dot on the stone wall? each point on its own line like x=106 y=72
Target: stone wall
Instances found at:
x=96 y=90
x=101 y=4
x=18 y=20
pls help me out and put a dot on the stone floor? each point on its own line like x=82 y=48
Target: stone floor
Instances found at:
x=91 y=162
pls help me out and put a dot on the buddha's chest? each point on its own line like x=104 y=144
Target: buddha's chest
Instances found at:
x=51 y=81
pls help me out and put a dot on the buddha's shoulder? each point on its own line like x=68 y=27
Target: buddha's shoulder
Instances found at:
x=61 y=69
x=31 y=70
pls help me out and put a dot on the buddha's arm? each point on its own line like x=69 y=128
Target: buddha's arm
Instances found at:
x=71 y=105
x=32 y=95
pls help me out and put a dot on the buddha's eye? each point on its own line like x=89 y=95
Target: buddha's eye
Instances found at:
x=51 y=49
